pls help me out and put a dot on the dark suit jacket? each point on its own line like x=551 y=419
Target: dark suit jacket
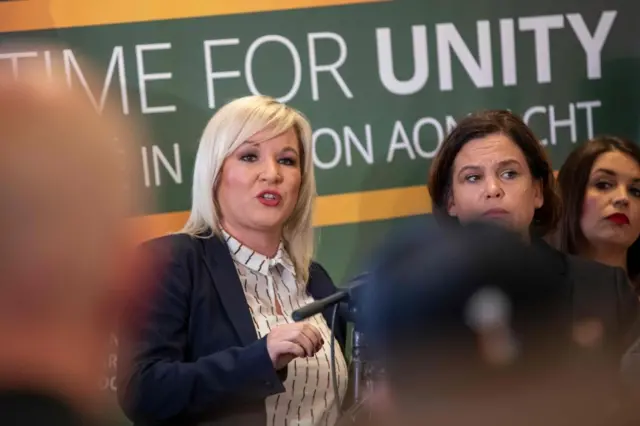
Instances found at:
x=195 y=357
x=596 y=291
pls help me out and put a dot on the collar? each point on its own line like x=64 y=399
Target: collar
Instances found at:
x=255 y=261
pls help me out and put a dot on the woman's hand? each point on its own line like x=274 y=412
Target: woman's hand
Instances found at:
x=289 y=341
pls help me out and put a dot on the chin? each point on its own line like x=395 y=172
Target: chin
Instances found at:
x=268 y=225
x=613 y=238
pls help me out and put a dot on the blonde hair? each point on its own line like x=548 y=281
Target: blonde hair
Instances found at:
x=229 y=128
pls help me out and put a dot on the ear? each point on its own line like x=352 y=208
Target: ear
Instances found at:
x=538 y=197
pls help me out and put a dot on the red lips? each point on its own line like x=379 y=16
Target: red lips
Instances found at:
x=618 y=219
x=269 y=198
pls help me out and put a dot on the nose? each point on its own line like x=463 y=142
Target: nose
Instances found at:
x=621 y=197
x=271 y=172
x=493 y=189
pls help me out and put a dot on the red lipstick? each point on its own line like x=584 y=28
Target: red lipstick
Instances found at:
x=618 y=219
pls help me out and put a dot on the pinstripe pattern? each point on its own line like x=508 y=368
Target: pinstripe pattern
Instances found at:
x=309 y=397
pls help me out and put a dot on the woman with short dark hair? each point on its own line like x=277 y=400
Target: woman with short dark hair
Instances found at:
x=491 y=167
x=503 y=134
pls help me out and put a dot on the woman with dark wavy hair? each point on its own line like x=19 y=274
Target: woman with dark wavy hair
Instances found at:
x=600 y=188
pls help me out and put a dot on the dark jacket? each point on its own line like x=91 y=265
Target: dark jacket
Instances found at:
x=596 y=291
x=194 y=357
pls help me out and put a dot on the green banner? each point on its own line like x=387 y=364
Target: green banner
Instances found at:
x=381 y=82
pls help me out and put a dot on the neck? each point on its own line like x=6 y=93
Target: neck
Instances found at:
x=265 y=243
x=608 y=255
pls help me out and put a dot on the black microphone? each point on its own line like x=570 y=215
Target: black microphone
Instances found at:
x=318 y=306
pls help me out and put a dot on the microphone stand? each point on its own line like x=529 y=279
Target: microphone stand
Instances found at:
x=359 y=376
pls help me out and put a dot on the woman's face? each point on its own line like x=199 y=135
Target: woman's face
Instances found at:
x=611 y=208
x=260 y=183
x=492 y=181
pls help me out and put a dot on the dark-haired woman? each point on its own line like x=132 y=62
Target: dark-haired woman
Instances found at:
x=492 y=167
x=600 y=188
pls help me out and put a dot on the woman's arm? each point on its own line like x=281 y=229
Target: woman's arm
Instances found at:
x=154 y=381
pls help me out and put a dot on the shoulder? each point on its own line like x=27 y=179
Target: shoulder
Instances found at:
x=172 y=245
x=603 y=281
x=174 y=263
x=180 y=250
x=592 y=271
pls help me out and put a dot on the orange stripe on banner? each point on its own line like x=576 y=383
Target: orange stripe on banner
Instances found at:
x=26 y=15
x=330 y=210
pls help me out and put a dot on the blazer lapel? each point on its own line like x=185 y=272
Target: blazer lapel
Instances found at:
x=225 y=279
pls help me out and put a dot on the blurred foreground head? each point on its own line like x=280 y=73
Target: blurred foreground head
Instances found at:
x=64 y=186
x=472 y=328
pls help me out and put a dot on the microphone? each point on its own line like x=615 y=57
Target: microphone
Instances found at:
x=320 y=305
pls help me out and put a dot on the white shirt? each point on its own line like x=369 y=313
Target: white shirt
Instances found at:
x=309 y=399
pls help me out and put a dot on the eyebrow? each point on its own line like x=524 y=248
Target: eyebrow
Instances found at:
x=290 y=149
x=610 y=172
x=503 y=163
x=287 y=149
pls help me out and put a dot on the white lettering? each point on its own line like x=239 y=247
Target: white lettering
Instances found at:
x=526 y=117
x=570 y=123
x=508 y=52
x=144 y=78
x=48 y=65
x=297 y=65
x=399 y=140
x=449 y=39
x=14 y=57
x=592 y=45
x=336 y=143
x=113 y=361
x=588 y=107
x=541 y=25
x=211 y=75
x=420 y=62
x=451 y=123
x=330 y=68
x=416 y=136
x=350 y=139
x=117 y=59
x=145 y=167
x=174 y=171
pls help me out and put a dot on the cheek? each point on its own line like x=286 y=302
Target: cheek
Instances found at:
x=590 y=212
x=292 y=182
x=465 y=201
x=233 y=182
x=635 y=212
x=296 y=181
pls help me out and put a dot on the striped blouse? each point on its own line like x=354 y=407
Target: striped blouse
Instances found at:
x=309 y=396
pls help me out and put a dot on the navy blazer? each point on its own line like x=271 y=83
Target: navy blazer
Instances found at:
x=194 y=357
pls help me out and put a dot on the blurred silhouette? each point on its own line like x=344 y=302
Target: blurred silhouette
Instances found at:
x=471 y=327
x=65 y=249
